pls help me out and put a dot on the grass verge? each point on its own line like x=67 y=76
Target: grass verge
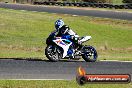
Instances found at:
x=55 y=84
x=23 y=33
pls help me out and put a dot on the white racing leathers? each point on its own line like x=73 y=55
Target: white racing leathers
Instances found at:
x=70 y=32
x=83 y=39
x=74 y=36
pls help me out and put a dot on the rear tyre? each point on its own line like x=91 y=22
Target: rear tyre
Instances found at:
x=89 y=54
x=53 y=53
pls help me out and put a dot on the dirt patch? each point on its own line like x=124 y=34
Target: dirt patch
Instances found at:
x=112 y=22
x=35 y=49
x=40 y=49
x=105 y=48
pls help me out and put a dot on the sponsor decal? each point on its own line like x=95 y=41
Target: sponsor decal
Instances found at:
x=60 y=42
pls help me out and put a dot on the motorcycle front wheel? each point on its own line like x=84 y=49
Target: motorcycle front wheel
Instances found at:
x=53 y=53
x=89 y=54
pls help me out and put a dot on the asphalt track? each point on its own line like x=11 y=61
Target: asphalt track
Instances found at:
x=43 y=69
x=94 y=13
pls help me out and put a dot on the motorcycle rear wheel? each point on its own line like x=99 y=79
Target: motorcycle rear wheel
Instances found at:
x=89 y=54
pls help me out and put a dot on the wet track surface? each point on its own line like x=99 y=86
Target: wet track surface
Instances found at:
x=43 y=69
x=94 y=13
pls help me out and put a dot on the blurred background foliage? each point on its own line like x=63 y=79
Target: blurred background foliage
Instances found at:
x=94 y=1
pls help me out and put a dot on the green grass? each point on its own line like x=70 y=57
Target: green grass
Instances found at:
x=10 y=1
x=56 y=84
x=117 y=1
x=23 y=34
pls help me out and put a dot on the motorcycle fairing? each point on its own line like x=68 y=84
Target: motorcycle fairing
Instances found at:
x=86 y=38
x=65 y=46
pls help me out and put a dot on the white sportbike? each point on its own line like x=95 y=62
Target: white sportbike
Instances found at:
x=59 y=48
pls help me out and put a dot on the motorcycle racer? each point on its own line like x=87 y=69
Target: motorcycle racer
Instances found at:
x=64 y=43
x=62 y=29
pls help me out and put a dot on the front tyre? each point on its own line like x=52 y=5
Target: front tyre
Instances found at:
x=53 y=53
x=89 y=54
